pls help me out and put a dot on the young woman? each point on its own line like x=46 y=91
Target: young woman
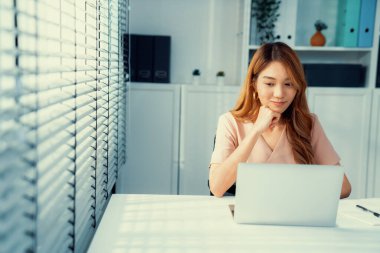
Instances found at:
x=271 y=122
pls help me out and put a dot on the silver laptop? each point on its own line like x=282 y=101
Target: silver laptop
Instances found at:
x=287 y=194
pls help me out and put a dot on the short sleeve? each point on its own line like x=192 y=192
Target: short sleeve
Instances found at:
x=225 y=141
x=324 y=152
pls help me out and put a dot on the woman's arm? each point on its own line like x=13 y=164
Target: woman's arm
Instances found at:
x=223 y=175
x=346 y=188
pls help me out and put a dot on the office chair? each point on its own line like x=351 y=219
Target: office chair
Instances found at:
x=231 y=190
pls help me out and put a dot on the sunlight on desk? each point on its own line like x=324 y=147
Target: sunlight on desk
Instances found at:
x=171 y=223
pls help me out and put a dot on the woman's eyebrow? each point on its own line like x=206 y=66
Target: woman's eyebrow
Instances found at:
x=272 y=78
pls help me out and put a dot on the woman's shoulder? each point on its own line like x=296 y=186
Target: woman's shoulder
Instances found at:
x=317 y=126
x=229 y=121
x=315 y=119
x=228 y=117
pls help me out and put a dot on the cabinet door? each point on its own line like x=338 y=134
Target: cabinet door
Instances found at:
x=201 y=107
x=152 y=139
x=344 y=115
x=373 y=189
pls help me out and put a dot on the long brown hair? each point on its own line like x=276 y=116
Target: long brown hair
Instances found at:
x=296 y=117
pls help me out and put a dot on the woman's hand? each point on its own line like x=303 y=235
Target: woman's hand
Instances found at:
x=266 y=119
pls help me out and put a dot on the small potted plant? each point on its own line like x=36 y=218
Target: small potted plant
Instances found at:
x=196 y=76
x=318 y=39
x=220 y=78
x=265 y=14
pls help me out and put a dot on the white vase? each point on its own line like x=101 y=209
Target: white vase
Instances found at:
x=196 y=80
x=220 y=80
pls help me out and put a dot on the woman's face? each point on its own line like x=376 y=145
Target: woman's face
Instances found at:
x=274 y=87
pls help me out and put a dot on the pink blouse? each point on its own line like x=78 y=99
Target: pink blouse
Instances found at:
x=231 y=132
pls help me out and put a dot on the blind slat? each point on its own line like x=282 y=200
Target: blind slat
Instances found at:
x=83 y=174
x=49 y=189
x=57 y=242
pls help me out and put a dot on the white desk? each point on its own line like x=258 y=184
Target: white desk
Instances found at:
x=172 y=223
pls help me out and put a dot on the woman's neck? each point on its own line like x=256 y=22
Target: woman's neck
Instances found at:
x=277 y=128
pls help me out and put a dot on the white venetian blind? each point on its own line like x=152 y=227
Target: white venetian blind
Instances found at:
x=17 y=155
x=62 y=120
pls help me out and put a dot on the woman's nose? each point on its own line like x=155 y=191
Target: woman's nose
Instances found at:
x=278 y=91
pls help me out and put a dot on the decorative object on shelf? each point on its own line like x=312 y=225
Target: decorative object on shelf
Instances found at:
x=318 y=39
x=196 y=76
x=220 y=78
x=266 y=14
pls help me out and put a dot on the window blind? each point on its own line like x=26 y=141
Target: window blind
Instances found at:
x=17 y=155
x=62 y=120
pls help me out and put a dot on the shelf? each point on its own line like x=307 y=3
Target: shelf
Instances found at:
x=295 y=27
x=322 y=49
x=335 y=49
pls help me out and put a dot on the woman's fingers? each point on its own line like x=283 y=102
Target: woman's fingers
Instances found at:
x=275 y=119
x=267 y=118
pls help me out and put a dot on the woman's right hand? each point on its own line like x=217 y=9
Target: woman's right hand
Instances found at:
x=266 y=119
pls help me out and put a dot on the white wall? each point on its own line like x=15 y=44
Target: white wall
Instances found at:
x=205 y=35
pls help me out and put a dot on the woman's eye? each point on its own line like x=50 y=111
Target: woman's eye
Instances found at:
x=269 y=84
x=289 y=84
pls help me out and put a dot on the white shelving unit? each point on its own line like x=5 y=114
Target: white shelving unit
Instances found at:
x=295 y=26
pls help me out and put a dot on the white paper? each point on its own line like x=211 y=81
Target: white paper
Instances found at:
x=365 y=216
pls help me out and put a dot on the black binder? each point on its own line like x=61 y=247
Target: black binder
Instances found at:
x=161 y=59
x=148 y=58
x=144 y=61
x=133 y=58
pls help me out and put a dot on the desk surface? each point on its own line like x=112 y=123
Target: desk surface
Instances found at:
x=172 y=223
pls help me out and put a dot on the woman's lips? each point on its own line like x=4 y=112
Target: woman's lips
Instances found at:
x=278 y=103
